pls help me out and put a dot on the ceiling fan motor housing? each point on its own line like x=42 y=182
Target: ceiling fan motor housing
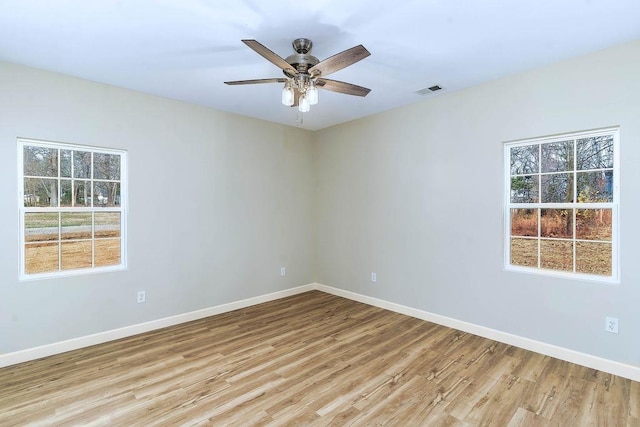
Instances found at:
x=302 y=62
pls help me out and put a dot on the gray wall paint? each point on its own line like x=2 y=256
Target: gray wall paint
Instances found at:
x=416 y=195
x=218 y=203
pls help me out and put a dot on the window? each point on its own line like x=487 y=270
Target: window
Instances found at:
x=72 y=202
x=562 y=205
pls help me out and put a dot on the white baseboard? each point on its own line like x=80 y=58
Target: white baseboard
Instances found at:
x=127 y=331
x=626 y=371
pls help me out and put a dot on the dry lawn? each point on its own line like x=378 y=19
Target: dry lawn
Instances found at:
x=591 y=257
x=556 y=253
x=54 y=256
x=58 y=242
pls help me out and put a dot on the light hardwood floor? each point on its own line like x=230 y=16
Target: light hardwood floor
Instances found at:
x=312 y=359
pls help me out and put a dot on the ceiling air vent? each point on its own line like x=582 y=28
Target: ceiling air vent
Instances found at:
x=428 y=90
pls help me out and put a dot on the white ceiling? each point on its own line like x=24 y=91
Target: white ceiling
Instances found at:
x=186 y=49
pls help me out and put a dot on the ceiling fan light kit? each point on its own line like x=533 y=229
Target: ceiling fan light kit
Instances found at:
x=304 y=73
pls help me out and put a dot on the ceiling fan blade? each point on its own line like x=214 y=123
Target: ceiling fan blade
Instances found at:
x=255 y=81
x=342 y=87
x=270 y=56
x=339 y=61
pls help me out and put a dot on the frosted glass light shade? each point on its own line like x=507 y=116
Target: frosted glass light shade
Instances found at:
x=287 y=96
x=304 y=105
x=312 y=94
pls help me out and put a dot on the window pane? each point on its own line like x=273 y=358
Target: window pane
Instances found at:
x=561 y=203
x=81 y=164
x=595 y=152
x=82 y=193
x=40 y=161
x=66 y=193
x=557 y=156
x=106 y=194
x=524 y=189
x=40 y=192
x=65 y=163
x=76 y=255
x=75 y=225
x=524 y=222
x=594 y=224
x=107 y=224
x=40 y=227
x=71 y=200
x=107 y=252
x=593 y=258
x=524 y=252
x=40 y=257
x=524 y=160
x=106 y=166
x=595 y=186
x=556 y=254
x=557 y=223
x=557 y=188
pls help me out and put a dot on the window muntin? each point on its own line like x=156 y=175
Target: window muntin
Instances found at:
x=562 y=205
x=72 y=208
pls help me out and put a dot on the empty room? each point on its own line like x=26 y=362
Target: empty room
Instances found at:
x=414 y=213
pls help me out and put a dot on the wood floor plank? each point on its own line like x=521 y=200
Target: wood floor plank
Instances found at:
x=634 y=404
x=312 y=359
x=525 y=418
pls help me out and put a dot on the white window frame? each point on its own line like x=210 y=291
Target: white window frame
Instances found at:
x=614 y=206
x=22 y=142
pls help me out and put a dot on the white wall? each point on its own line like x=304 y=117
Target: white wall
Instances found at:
x=218 y=203
x=416 y=195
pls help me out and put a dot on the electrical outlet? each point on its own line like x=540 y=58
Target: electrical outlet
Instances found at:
x=374 y=277
x=142 y=296
x=283 y=271
x=611 y=324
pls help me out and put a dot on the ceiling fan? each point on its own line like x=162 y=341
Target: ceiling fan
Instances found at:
x=304 y=73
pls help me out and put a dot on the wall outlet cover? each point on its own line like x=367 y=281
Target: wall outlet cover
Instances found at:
x=611 y=324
